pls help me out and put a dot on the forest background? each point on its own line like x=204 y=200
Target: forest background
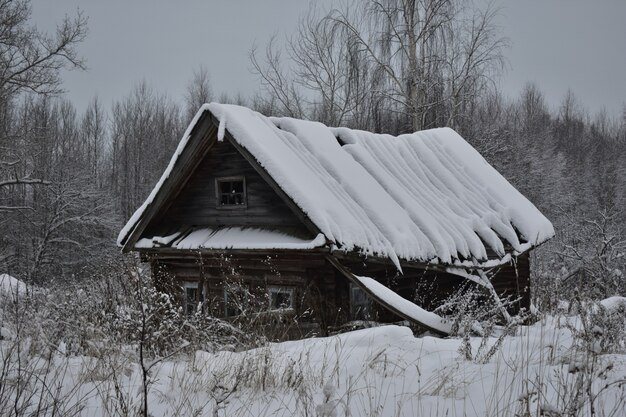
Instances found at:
x=70 y=177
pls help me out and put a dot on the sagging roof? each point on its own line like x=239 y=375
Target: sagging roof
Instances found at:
x=427 y=197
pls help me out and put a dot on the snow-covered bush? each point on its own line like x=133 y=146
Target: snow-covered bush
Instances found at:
x=254 y=317
x=155 y=320
x=119 y=319
x=473 y=311
x=33 y=367
x=602 y=327
x=118 y=307
x=595 y=253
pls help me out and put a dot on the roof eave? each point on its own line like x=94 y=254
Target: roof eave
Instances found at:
x=435 y=264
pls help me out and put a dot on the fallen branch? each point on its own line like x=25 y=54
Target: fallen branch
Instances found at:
x=17 y=181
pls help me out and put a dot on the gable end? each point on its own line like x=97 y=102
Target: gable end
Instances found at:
x=189 y=197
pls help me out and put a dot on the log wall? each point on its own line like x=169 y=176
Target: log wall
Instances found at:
x=321 y=293
x=196 y=204
x=317 y=299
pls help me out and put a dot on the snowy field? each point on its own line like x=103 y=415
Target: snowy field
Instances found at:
x=563 y=364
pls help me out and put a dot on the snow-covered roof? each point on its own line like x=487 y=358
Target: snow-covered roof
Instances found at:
x=231 y=238
x=427 y=196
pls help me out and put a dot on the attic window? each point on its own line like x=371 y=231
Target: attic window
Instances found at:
x=231 y=192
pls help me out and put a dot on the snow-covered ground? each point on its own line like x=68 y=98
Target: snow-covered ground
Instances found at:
x=11 y=285
x=550 y=368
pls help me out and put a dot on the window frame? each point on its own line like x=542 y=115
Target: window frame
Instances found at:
x=281 y=289
x=218 y=193
x=227 y=292
x=360 y=311
x=200 y=295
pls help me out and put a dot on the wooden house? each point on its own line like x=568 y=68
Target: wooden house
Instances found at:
x=331 y=224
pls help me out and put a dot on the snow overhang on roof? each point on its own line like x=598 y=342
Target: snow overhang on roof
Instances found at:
x=231 y=238
x=426 y=197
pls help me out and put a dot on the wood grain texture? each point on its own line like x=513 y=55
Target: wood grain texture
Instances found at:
x=309 y=274
x=196 y=203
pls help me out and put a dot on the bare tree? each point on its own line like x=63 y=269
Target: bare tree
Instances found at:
x=401 y=39
x=93 y=137
x=421 y=63
x=475 y=60
x=30 y=61
x=533 y=109
x=283 y=92
x=145 y=129
x=57 y=229
x=328 y=61
x=199 y=91
x=435 y=54
x=569 y=123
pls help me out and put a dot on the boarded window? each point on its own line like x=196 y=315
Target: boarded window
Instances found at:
x=231 y=192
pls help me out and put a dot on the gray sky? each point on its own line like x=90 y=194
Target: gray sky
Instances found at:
x=557 y=44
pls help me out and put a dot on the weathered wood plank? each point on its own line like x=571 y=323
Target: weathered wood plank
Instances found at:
x=196 y=204
x=269 y=180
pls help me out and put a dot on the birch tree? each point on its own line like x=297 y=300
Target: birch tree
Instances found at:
x=422 y=62
x=94 y=138
x=436 y=54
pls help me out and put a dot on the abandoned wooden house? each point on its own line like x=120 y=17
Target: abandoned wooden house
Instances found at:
x=332 y=225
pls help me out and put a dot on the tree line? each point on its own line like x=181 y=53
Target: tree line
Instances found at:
x=69 y=177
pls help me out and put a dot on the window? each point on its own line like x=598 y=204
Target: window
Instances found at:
x=231 y=192
x=234 y=297
x=193 y=296
x=360 y=304
x=280 y=298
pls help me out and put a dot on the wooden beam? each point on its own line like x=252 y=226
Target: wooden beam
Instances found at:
x=355 y=256
x=195 y=253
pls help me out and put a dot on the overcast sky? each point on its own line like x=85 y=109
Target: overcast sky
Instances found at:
x=558 y=44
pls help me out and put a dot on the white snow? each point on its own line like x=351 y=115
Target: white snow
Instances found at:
x=157 y=241
x=381 y=371
x=614 y=303
x=408 y=309
x=427 y=196
x=11 y=285
x=221 y=130
x=449 y=191
x=234 y=238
